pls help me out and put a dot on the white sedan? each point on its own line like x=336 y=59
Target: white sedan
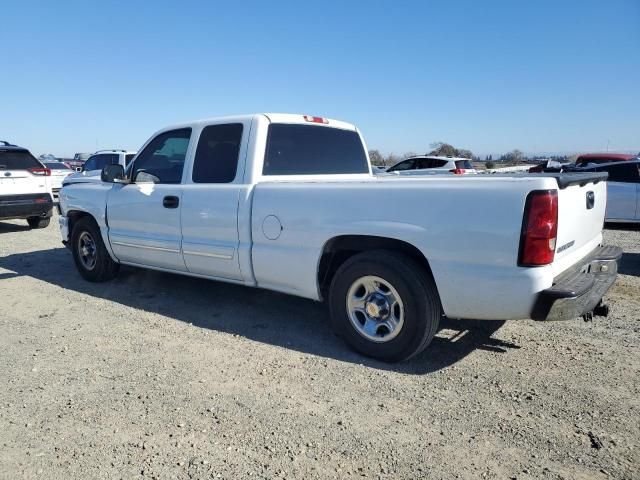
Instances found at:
x=430 y=164
x=59 y=171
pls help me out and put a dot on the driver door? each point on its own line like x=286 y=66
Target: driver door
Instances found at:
x=144 y=216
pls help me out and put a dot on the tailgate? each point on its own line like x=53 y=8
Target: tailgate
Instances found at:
x=16 y=182
x=581 y=209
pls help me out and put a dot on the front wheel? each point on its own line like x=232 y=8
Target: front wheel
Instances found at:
x=89 y=253
x=384 y=305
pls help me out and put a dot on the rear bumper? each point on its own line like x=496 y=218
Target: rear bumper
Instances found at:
x=580 y=290
x=25 y=206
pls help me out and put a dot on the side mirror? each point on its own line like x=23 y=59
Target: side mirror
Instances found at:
x=112 y=173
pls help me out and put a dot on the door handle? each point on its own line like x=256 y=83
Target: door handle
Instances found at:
x=170 y=201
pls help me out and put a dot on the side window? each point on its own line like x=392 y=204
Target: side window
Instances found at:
x=406 y=165
x=162 y=161
x=127 y=158
x=216 y=159
x=625 y=172
x=424 y=163
x=439 y=163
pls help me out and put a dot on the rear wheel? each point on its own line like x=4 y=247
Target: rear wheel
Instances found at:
x=384 y=305
x=38 y=222
x=89 y=253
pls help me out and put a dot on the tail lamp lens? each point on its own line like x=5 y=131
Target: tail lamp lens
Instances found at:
x=539 y=229
x=44 y=172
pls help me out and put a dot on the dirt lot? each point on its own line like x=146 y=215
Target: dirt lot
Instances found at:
x=161 y=376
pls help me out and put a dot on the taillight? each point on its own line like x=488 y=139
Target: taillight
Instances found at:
x=539 y=229
x=457 y=171
x=312 y=119
x=44 y=172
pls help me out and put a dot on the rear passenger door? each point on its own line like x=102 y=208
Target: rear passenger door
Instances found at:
x=214 y=182
x=622 y=191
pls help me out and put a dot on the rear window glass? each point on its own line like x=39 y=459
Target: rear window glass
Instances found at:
x=17 y=160
x=309 y=149
x=466 y=164
x=56 y=166
x=128 y=157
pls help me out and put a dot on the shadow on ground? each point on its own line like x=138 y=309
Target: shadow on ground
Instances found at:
x=630 y=264
x=633 y=227
x=259 y=315
x=12 y=227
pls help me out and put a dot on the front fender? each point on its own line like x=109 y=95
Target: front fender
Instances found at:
x=90 y=199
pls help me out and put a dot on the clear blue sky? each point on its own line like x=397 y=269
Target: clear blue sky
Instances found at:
x=489 y=76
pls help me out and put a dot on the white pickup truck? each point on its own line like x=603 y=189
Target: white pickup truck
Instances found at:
x=289 y=203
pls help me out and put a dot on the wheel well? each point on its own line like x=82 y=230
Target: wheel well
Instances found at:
x=339 y=249
x=73 y=217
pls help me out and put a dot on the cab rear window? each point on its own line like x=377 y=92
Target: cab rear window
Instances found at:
x=308 y=149
x=17 y=160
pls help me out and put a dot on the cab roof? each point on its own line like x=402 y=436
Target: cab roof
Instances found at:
x=301 y=119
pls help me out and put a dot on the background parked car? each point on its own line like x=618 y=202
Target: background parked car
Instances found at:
x=623 y=189
x=77 y=161
x=595 y=158
x=550 y=166
x=433 y=164
x=48 y=157
x=24 y=190
x=59 y=171
x=92 y=168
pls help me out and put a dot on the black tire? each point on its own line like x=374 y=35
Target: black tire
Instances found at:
x=38 y=222
x=104 y=268
x=418 y=294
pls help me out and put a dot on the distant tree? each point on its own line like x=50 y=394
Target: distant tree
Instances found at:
x=392 y=159
x=376 y=157
x=464 y=153
x=409 y=155
x=514 y=157
x=489 y=165
x=448 y=150
x=443 y=149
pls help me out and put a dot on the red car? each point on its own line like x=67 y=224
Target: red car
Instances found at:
x=588 y=158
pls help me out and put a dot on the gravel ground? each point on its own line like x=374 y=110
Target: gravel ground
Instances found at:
x=162 y=376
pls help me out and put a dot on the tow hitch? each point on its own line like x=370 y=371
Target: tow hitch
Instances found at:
x=601 y=310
